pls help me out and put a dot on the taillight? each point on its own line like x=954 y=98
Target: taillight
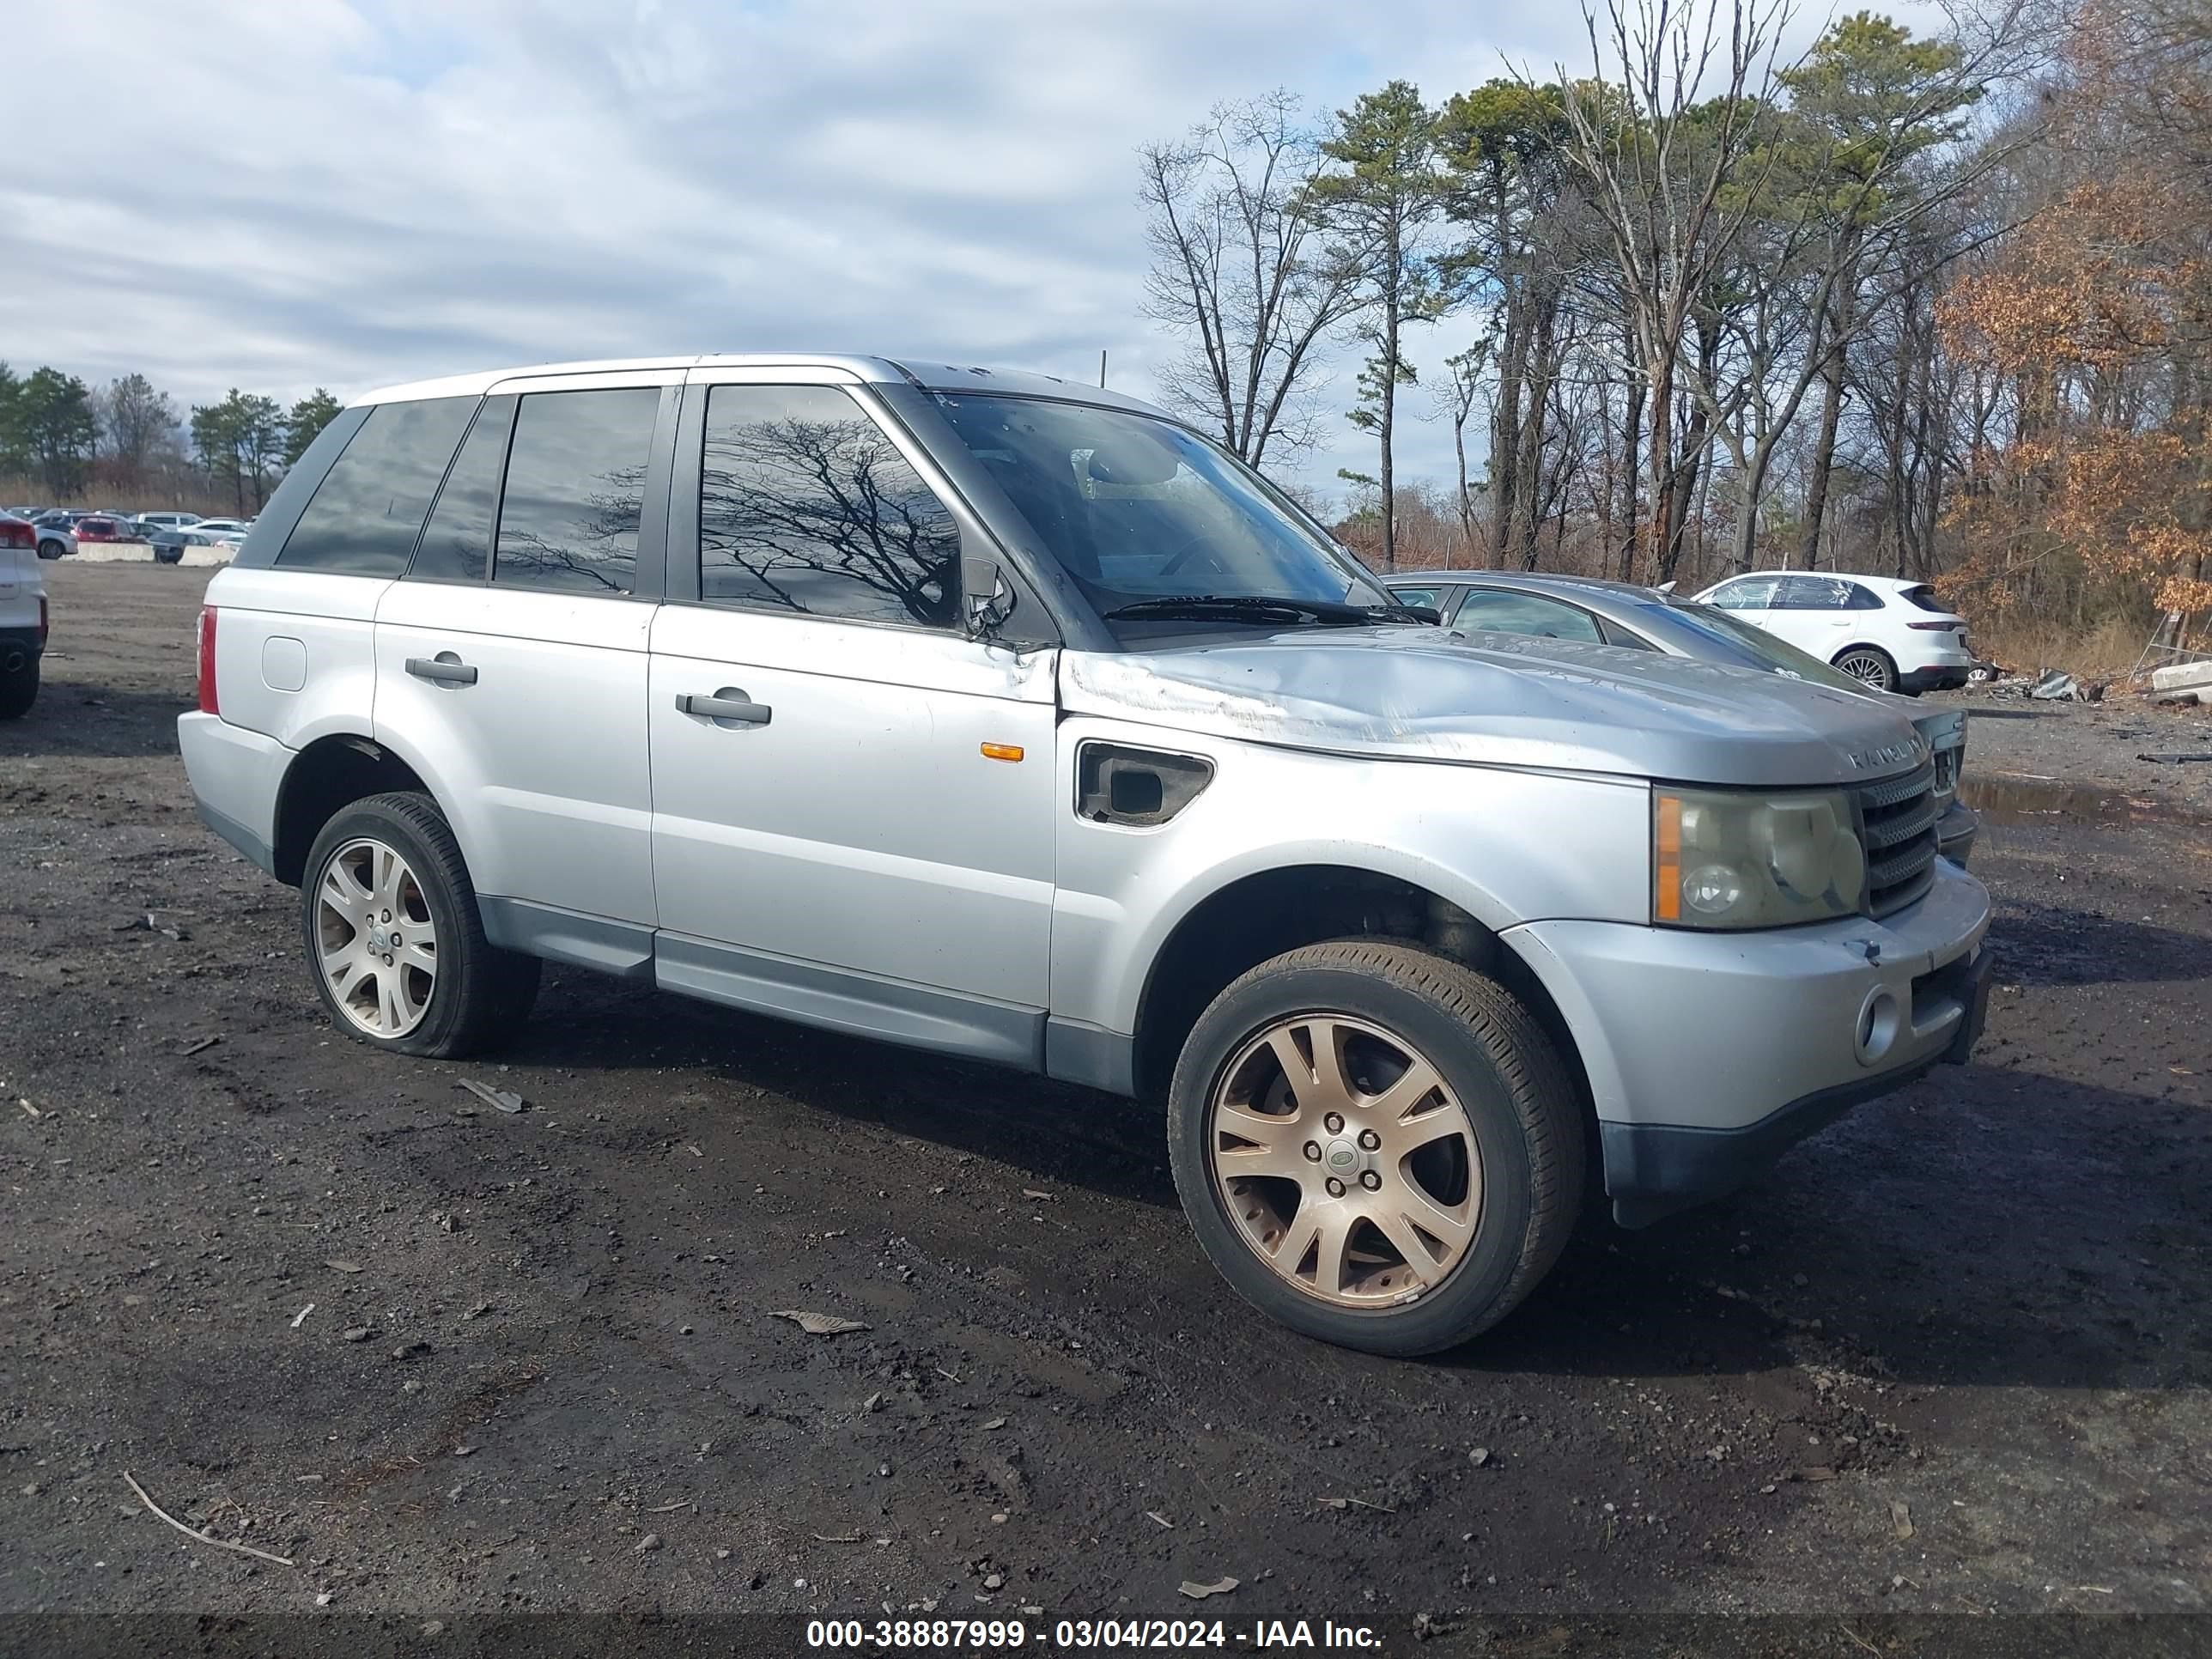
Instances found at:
x=1935 y=628
x=207 y=702
x=16 y=533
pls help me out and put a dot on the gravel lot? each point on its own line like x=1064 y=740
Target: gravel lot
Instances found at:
x=1952 y=1357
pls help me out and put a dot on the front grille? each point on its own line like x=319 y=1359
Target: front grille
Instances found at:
x=1897 y=827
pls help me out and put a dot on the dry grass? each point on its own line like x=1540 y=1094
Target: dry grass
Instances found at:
x=2102 y=650
x=187 y=497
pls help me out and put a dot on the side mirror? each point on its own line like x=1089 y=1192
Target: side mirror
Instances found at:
x=985 y=595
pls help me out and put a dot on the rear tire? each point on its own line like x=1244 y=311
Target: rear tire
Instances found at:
x=394 y=940
x=19 y=690
x=1459 y=1183
x=1870 y=666
x=53 y=549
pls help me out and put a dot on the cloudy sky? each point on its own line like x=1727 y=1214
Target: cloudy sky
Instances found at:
x=279 y=194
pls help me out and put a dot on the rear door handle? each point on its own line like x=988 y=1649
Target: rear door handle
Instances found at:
x=445 y=668
x=726 y=704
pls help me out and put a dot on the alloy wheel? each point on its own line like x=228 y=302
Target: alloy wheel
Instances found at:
x=1344 y=1160
x=378 y=944
x=1865 y=666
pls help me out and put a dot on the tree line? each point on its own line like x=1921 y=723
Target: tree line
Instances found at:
x=1935 y=306
x=67 y=441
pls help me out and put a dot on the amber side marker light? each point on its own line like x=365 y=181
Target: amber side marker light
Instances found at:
x=1005 y=751
x=1667 y=895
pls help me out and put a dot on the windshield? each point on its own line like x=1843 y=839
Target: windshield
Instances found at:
x=1776 y=654
x=1137 y=509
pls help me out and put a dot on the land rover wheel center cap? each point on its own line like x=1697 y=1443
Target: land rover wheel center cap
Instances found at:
x=1342 y=1158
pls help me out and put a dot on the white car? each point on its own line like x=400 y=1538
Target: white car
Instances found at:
x=22 y=615
x=1893 y=634
x=166 y=521
x=216 y=532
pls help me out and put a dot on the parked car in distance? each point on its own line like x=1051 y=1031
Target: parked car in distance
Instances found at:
x=210 y=532
x=167 y=520
x=1009 y=719
x=56 y=540
x=1590 y=609
x=168 y=542
x=22 y=615
x=98 y=527
x=1894 y=635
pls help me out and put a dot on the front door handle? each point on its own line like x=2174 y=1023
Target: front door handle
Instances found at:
x=445 y=668
x=727 y=704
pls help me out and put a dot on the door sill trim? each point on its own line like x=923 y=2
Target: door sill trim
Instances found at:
x=806 y=992
x=859 y=1005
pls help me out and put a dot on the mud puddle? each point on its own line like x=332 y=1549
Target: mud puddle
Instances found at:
x=2021 y=798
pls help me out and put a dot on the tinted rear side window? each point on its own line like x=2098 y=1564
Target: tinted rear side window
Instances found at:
x=807 y=506
x=1923 y=597
x=1815 y=593
x=575 y=487
x=365 y=518
x=457 y=541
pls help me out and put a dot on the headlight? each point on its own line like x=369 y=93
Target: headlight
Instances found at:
x=1742 y=859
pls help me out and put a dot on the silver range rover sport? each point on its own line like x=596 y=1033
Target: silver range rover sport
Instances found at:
x=984 y=713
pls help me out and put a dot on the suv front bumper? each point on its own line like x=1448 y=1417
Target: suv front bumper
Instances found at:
x=1709 y=1055
x=1955 y=832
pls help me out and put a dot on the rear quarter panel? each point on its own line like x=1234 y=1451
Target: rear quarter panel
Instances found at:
x=296 y=655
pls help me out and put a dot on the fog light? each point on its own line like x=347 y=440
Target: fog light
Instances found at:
x=1880 y=1016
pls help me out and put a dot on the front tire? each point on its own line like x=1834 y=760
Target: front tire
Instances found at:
x=1870 y=668
x=1376 y=1145
x=394 y=939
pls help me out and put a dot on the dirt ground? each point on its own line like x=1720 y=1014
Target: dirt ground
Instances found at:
x=1952 y=1357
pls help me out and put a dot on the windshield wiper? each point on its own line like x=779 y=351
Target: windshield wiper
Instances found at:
x=1263 y=610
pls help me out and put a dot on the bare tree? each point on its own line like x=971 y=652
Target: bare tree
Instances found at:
x=135 y=423
x=1672 y=172
x=1237 y=272
x=1827 y=185
x=1456 y=399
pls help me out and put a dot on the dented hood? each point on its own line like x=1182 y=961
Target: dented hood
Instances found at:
x=1411 y=693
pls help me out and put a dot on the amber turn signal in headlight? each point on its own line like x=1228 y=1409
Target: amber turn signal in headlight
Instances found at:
x=1728 y=858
